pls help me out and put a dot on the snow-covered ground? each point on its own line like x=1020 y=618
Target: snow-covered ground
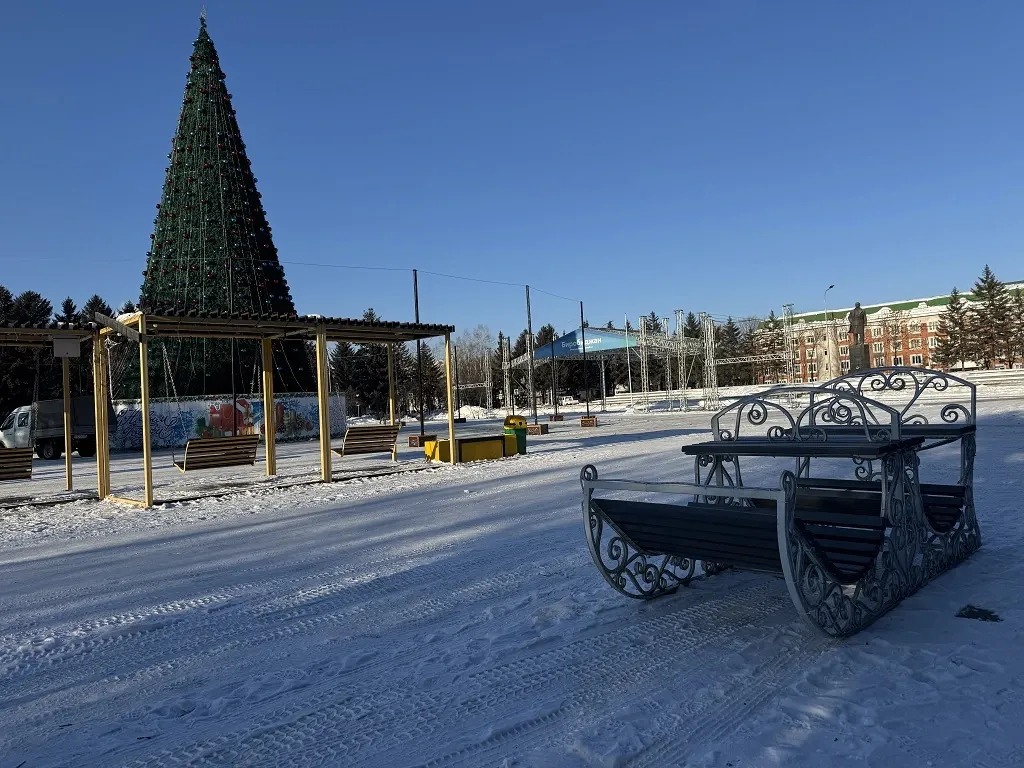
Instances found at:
x=452 y=616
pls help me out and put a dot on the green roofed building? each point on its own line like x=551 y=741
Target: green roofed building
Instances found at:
x=898 y=333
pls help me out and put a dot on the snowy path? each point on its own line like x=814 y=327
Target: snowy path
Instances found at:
x=452 y=617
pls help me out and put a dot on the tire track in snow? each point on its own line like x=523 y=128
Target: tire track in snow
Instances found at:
x=369 y=720
x=23 y=655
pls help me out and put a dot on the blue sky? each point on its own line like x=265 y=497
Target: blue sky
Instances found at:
x=725 y=157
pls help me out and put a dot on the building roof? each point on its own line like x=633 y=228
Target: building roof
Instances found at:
x=243 y=325
x=906 y=305
x=40 y=334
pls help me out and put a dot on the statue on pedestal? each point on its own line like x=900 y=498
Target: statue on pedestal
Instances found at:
x=858 y=349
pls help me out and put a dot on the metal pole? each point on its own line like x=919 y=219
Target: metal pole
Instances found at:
x=231 y=310
x=419 y=347
x=455 y=362
x=629 y=369
x=66 y=366
x=554 y=376
x=511 y=379
x=529 y=341
x=583 y=333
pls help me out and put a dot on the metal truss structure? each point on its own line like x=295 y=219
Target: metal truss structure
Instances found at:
x=657 y=341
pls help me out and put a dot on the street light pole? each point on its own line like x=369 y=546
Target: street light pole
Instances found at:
x=824 y=301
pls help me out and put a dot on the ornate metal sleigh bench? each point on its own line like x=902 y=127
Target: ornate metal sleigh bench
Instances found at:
x=849 y=550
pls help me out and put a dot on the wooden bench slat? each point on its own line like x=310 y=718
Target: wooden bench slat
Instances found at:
x=16 y=463
x=216 y=452
x=361 y=440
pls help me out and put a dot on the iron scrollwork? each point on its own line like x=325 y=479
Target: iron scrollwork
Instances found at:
x=630 y=571
x=840 y=610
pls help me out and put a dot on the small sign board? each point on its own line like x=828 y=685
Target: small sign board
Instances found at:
x=67 y=346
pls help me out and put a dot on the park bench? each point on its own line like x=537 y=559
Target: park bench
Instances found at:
x=374 y=438
x=849 y=550
x=217 y=452
x=15 y=463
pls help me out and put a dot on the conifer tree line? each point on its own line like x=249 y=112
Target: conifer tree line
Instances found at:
x=29 y=374
x=985 y=329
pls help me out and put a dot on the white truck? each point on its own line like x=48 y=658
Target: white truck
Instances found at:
x=45 y=432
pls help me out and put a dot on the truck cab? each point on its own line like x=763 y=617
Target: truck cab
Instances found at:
x=16 y=429
x=42 y=427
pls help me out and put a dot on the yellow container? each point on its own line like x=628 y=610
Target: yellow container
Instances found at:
x=471 y=448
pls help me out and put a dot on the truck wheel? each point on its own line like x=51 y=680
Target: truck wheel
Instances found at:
x=50 y=451
x=87 y=449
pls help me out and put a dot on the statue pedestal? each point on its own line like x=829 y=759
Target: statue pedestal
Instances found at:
x=860 y=357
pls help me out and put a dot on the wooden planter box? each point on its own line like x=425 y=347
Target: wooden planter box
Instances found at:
x=418 y=441
x=536 y=429
x=588 y=421
x=556 y=417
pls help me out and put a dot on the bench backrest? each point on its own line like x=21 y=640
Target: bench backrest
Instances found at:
x=802 y=413
x=370 y=439
x=212 y=452
x=921 y=395
x=15 y=463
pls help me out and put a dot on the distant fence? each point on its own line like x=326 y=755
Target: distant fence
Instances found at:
x=172 y=422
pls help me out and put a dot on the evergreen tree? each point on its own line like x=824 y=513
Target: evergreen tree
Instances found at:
x=212 y=249
x=1017 y=316
x=127 y=308
x=955 y=344
x=991 y=319
x=694 y=364
x=68 y=311
x=730 y=345
x=92 y=306
x=342 y=364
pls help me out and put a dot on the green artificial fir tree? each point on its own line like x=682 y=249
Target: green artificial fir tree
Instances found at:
x=212 y=249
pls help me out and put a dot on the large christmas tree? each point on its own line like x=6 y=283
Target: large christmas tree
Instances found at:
x=212 y=249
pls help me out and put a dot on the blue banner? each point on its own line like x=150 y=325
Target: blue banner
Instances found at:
x=598 y=341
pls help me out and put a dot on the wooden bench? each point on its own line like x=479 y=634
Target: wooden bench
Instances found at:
x=216 y=452
x=15 y=463
x=361 y=439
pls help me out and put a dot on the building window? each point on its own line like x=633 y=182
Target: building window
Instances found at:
x=808 y=339
x=916 y=360
x=915 y=343
x=810 y=353
x=812 y=368
x=897 y=346
x=845 y=366
x=933 y=326
x=844 y=351
x=878 y=347
x=933 y=342
x=796 y=356
x=898 y=360
x=876 y=332
x=879 y=361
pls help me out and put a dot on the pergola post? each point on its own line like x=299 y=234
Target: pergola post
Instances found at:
x=66 y=368
x=99 y=405
x=392 y=395
x=323 y=400
x=448 y=389
x=269 y=414
x=147 y=432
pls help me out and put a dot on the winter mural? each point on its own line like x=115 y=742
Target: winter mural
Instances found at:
x=173 y=423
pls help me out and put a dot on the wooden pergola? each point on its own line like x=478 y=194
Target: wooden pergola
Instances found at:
x=49 y=335
x=142 y=327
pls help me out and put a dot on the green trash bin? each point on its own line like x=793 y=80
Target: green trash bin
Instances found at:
x=516 y=425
